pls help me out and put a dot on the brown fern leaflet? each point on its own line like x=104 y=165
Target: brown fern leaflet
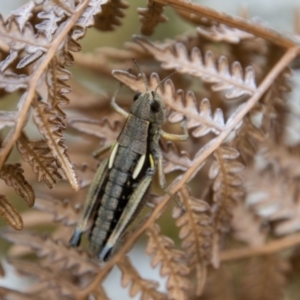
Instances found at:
x=131 y=277
x=172 y=262
x=151 y=16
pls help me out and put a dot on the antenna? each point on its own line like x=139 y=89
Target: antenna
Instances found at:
x=162 y=81
x=143 y=75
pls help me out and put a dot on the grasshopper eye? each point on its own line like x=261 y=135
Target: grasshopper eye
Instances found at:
x=155 y=106
x=136 y=96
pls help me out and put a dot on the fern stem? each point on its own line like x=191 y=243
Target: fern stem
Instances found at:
x=269 y=248
x=236 y=22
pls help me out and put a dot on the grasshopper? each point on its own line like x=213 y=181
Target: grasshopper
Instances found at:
x=119 y=189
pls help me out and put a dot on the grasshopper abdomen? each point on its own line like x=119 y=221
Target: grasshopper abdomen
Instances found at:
x=117 y=190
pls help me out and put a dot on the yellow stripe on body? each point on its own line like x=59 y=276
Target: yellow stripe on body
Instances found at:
x=113 y=155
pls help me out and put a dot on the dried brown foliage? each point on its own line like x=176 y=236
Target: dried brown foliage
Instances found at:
x=237 y=176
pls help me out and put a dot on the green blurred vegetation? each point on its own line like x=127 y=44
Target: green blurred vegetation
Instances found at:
x=131 y=25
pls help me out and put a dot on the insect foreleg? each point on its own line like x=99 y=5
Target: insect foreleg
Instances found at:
x=116 y=107
x=128 y=213
x=89 y=204
x=176 y=137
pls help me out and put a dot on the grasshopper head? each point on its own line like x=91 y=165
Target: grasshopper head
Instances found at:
x=149 y=106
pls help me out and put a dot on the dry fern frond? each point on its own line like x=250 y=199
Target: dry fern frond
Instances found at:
x=151 y=16
x=176 y=57
x=61 y=210
x=46 y=281
x=51 y=125
x=227 y=185
x=10 y=294
x=200 y=117
x=279 y=159
x=219 y=285
x=248 y=135
x=7 y=119
x=57 y=88
x=49 y=25
x=12 y=174
x=247 y=227
x=35 y=218
x=85 y=174
x=36 y=153
x=161 y=248
x=55 y=251
x=291 y=224
x=111 y=15
x=223 y=33
x=227 y=190
x=86 y=19
x=273 y=199
x=8 y=212
x=99 y=293
x=103 y=129
x=130 y=276
x=196 y=234
x=279 y=122
x=20 y=40
x=23 y=14
x=174 y=160
x=272 y=187
x=254 y=52
x=12 y=82
x=264 y=278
